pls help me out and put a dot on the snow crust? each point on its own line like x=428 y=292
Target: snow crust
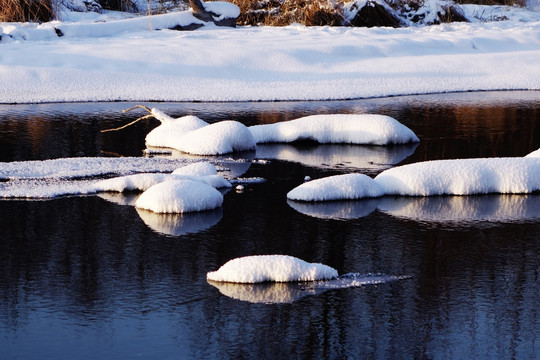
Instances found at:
x=368 y=129
x=439 y=177
x=150 y=62
x=180 y=196
x=270 y=268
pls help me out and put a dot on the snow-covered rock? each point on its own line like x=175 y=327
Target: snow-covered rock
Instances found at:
x=439 y=177
x=190 y=135
x=271 y=268
x=166 y=134
x=463 y=177
x=369 y=129
x=180 y=196
x=338 y=187
x=200 y=168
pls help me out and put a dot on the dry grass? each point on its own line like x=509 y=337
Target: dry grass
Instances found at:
x=285 y=12
x=25 y=10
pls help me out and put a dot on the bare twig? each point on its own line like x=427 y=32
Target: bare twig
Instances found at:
x=133 y=122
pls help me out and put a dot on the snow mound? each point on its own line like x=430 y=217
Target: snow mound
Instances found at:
x=463 y=177
x=369 y=129
x=142 y=182
x=338 y=187
x=180 y=196
x=166 y=134
x=476 y=176
x=535 y=153
x=189 y=135
x=201 y=168
x=273 y=268
x=223 y=8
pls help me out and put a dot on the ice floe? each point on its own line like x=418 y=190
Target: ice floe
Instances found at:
x=52 y=178
x=366 y=129
x=69 y=168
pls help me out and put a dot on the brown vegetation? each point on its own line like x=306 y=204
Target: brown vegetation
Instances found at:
x=285 y=12
x=25 y=10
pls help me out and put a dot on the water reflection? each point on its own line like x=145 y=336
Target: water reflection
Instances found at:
x=446 y=210
x=180 y=224
x=288 y=292
x=85 y=278
x=370 y=159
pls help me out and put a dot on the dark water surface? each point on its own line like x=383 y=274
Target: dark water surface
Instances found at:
x=94 y=278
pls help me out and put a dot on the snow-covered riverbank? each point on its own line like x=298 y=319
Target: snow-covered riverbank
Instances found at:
x=131 y=59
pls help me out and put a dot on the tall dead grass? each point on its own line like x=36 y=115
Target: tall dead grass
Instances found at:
x=25 y=10
x=285 y=12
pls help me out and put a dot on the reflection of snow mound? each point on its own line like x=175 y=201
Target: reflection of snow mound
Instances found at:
x=366 y=129
x=273 y=293
x=278 y=268
x=454 y=210
x=366 y=158
x=180 y=224
x=464 y=209
x=338 y=210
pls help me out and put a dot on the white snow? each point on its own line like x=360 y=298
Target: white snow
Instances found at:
x=222 y=8
x=52 y=178
x=139 y=59
x=463 y=177
x=192 y=135
x=271 y=268
x=180 y=196
x=439 y=177
x=85 y=167
x=367 y=129
x=338 y=187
